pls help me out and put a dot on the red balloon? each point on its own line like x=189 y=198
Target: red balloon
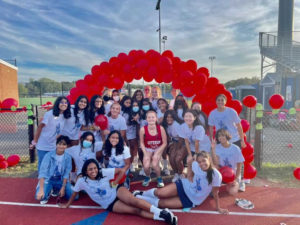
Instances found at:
x=204 y=70
x=236 y=105
x=168 y=53
x=13 y=160
x=200 y=80
x=248 y=150
x=118 y=83
x=191 y=65
x=249 y=171
x=211 y=82
x=142 y=65
x=2 y=158
x=3 y=164
x=105 y=68
x=187 y=91
x=250 y=101
x=186 y=78
x=165 y=64
x=96 y=70
x=297 y=173
x=249 y=158
x=228 y=174
x=276 y=101
x=101 y=121
x=245 y=125
x=89 y=79
x=8 y=103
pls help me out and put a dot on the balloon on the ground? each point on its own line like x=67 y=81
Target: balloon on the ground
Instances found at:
x=245 y=125
x=13 y=160
x=101 y=121
x=276 y=101
x=249 y=171
x=250 y=101
x=297 y=173
x=227 y=173
x=3 y=164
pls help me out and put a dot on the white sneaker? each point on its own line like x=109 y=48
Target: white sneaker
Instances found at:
x=242 y=187
x=43 y=202
x=247 y=181
x=166 y=171
x=175 y=178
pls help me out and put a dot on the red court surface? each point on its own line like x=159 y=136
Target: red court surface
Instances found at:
x=278 y=206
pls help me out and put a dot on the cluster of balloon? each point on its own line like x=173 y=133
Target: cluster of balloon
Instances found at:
x=151 y=65
x=297 y=173
x=276 y=101
x=101 y=121
x=10 y=161
x=228 y=174
x=248 y=153
x=48 y=105
x=8 y=105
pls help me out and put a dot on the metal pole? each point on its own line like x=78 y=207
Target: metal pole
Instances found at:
x=159 y=25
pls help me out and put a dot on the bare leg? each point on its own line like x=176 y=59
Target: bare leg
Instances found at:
x=155 y=163
x=166 y=192
x=171 y=203
x=181 y=153
x=133 y=149
x=172 y=155
x=147 y=162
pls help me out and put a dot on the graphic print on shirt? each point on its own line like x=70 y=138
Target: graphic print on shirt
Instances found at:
x=114 y=160
x=227 y=163
x=222 y=125
x=100 y=192
x=57 y=130
x=111 y=128
x=57 y=173
x=197 y=184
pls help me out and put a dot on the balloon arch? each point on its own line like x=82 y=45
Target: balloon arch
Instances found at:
x=151 y=65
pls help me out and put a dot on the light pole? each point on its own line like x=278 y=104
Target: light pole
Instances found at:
x=163 y=40
x=159 y=27
x=211 y=58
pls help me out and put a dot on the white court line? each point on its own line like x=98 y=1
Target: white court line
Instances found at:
x=173 y=210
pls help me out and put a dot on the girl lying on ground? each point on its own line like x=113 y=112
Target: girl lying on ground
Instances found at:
x=202 y=179
x=96 y=183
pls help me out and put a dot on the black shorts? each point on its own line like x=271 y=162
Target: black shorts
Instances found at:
x=185 y=201
x=111 y=205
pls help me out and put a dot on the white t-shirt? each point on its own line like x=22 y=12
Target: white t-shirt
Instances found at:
x=81 y=155
x=179 y=113
x=230 y=156
x=117 y=124
x=118 y=161
x=131 y=129
x=205 y=144
x=226 y=120
x=154 y=104
x=58 y=165
x=53 y=127
x=202 y=119
x=159 y=114
x=174 y=130
x=198 y=190
x=71 y=129
x=192 y=135
x=107 y=107
x=99 y=191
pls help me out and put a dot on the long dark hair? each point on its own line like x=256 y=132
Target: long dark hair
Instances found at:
x=173 y=115
x=181 y=102
x=108 y=146
x=134 y=97
x=63 y=138
x=123 y=107
x=132 y=114
x=210 y=170
x=85 y=166
x=56 y=110
x=200 y=112
x=143 y=112
x=85 y=110
x=93 y=110
x=196 y=121
x=164 y=100
x=83 y=137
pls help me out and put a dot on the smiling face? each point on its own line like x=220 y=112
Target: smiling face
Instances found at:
x=61 y=147
x=151 y=118
x=154 y=92
x=115 y=110
x=162 y=105
x=221 y=101
x=189 y=118
x=63 y=105
x=114 y=139
x=92 y=171
x=203 y=162
x=170 y=119
x=196 y=106
x=82 y=103
x=98 y=103
x=127 y=103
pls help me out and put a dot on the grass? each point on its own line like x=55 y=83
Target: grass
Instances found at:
x=279 y=173
x=35 y=101
x=23 y=169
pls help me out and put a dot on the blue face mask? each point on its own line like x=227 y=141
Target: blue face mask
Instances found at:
x=86 y=144
x=146 y=107
x=135 y=109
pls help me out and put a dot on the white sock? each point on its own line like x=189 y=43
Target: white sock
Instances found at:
x=152 y=201
x=156 y=212
x=150 y=193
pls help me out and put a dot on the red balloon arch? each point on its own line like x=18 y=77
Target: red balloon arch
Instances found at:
x=151 y=65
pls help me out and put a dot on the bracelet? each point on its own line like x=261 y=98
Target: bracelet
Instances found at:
x=33 y=142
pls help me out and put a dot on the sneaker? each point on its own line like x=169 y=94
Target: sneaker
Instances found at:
x=146 y=182
x=168 y=217
x=247 y=181
x=142 y=172
x=43 y=202
x=242 y=187
x=160 y=182
x=54 y=193
x=137 y=192
x=166 y=171
x=175 y=178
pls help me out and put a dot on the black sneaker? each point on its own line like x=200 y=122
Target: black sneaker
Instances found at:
x=168 y=217
x=137 y=192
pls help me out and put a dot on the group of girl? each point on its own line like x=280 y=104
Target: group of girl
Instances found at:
x=138 y=128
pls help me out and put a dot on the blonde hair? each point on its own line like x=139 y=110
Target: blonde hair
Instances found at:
x=158 y=91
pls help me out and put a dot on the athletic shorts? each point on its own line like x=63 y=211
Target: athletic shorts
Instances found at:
x=185 y=201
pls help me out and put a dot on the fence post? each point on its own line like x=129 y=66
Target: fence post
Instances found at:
x=30 y=122
x=258 y=144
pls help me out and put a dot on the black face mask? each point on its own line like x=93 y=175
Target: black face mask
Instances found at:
x=179 y=102
x=106 y=98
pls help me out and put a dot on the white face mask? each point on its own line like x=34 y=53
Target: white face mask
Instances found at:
x=179 y=112
x=116 y=98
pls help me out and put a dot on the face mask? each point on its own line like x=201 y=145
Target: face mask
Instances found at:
x=116 y=98
x=179 y=112
x=135 y=109
x=146 y=107
x=86 y=144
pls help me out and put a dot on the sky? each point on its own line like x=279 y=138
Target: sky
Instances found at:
x=62 y=40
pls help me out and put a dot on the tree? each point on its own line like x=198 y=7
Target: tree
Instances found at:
x=22 y=89
x=242 y=81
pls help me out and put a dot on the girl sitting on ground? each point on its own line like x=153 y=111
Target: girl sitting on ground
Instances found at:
x=54 y=173
x=202 y=179
x=96 y=183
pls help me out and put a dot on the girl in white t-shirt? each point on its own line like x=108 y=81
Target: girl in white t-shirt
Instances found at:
x=202 y=116
x=50 y=127
x=96 y=108
x=180 y=106
x=116 y=121
x=176 y=148
x=86 y=149
x=96 y=183
x=202 y=179
x=227 y=154
x=79 y=118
